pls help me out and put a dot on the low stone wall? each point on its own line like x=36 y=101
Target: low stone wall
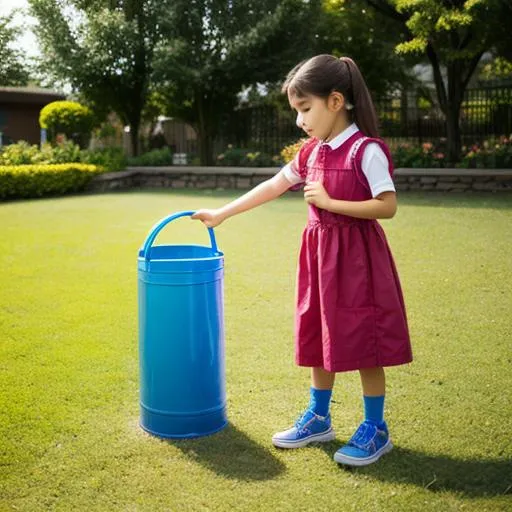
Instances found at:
x=454 y=180
x=446 y=180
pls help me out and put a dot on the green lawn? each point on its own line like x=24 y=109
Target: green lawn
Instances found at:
x=69 y=434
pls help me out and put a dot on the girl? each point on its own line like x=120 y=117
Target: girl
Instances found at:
x=350 y=313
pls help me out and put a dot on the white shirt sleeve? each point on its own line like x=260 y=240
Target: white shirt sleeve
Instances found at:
x=288 y=172
x=375 y=166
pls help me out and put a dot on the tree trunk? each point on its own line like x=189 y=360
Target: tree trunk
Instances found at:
x=456 y=89
x=205 y=149
x=453 y=138
x=204 y=133
x=134 y=136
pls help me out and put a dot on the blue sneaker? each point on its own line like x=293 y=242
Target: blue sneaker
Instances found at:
x=309 y=428
x=367 y=445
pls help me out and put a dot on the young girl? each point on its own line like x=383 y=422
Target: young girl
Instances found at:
x=350 y=313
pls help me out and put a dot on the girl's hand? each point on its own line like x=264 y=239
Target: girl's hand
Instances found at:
x=210 y=218
x=315 y=193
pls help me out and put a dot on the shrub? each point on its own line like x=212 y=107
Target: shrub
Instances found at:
x=68 y=117
x=288 y=152
x=234 y=157
x=21 y=153
x=495 y=153
x=40 y=180
x=64 y=152
x=111 y=159
x=155 y=157
x=418 y=155
x=404 y=154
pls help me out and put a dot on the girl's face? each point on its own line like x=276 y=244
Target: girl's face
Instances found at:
x=320 y=117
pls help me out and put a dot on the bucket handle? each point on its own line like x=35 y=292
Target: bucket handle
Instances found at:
x=146 y=246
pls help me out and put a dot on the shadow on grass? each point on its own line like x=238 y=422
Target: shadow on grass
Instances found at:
x=471 y=478
x=232 y=454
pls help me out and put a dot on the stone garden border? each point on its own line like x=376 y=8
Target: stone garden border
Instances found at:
x=445 y=180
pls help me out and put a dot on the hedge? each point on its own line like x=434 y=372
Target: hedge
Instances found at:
x=23 y=181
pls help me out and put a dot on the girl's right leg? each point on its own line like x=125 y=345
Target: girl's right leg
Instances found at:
x=315 y=424
x=322 y=383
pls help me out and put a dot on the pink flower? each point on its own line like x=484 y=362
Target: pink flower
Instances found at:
x=439 y=156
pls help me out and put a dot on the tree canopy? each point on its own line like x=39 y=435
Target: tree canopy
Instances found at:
x=104 y=49
x=191 y=58
x=214 y=48
x=453 y=35
x=195 y=55
x=369 y=37
x=13 y=68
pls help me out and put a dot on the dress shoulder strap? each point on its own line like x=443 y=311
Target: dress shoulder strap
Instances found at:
x=357 y=152
x=306 y=155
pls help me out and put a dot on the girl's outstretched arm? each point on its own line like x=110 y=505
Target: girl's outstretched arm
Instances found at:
x=383 y=206
x=264 y=192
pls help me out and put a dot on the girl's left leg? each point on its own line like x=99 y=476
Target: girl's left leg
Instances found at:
x=373 y=381
x=371 y=439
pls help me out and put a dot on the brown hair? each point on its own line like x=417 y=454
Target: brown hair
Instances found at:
x=323 y=74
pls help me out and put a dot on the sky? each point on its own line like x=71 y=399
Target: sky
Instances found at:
x=27 y=41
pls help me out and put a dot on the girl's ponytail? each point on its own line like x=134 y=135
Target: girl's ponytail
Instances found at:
x=363 y=111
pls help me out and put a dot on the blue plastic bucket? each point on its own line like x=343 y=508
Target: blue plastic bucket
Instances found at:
x=181 y=337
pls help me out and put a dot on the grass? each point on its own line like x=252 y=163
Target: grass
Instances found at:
x=69 y=435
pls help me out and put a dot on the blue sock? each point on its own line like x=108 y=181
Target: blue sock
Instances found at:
x=374 y=409
x=319 y=401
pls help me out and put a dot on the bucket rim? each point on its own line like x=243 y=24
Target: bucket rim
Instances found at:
x=213 y=257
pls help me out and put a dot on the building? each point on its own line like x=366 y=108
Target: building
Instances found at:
x=19 y=112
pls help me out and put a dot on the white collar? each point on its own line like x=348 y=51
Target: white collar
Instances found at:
x=342 y=137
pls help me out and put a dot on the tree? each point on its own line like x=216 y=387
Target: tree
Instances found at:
x=367 y=36
x=216 y=48
x=453 y=34
x=13 y=70
x=104 y=49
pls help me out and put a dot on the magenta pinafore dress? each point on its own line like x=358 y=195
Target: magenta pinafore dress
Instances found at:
x=350 y=312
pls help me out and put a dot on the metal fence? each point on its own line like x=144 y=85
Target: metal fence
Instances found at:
x=485 y=112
